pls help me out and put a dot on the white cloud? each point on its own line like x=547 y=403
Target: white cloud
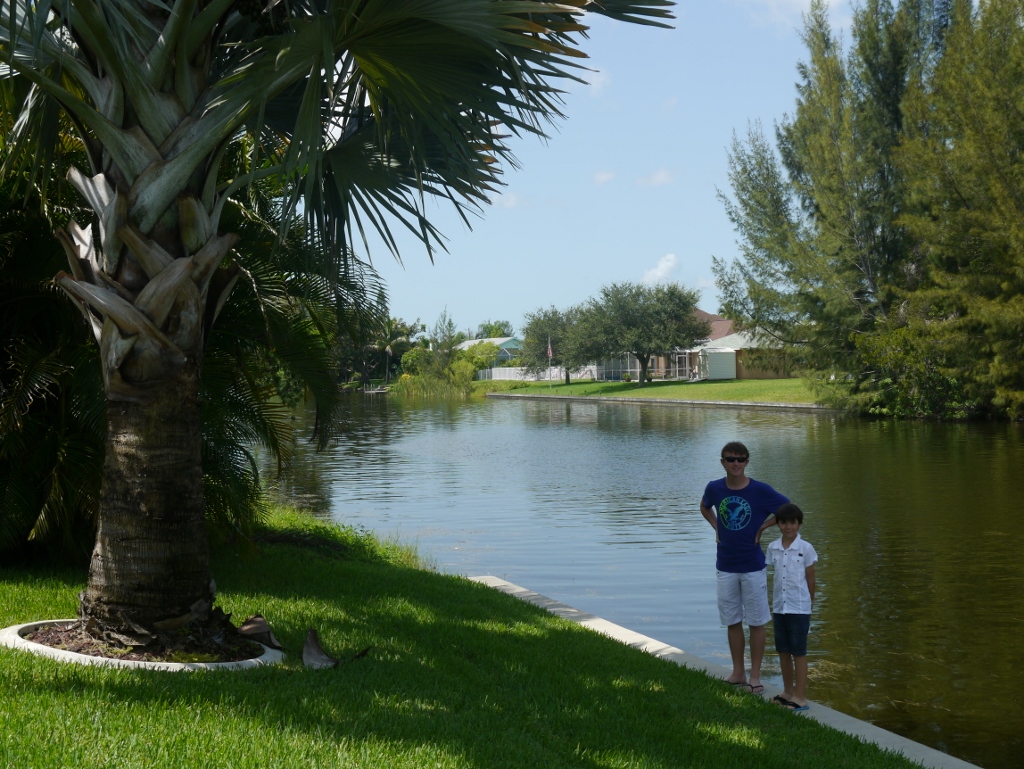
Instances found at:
x=603 y=177
x=789 y=13
x=657 y=179
x=510 y=200
x=598 y=80
x=703 y=283
x=662 y=270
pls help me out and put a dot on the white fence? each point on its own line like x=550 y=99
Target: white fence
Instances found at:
x=554 y=373
x=710 y=363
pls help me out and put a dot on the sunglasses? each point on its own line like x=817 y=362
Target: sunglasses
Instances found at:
x=735 y=459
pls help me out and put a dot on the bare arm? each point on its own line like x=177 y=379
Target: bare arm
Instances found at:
x=710 y=517
x=768 y=523
x=809 y=571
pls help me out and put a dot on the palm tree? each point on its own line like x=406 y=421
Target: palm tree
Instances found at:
x=359 y=109
x=52 y=406
x=392 y=340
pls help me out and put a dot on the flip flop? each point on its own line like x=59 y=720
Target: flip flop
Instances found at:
x=756 y=689
x=800 y=708
x=778 y=699
x=742 y=685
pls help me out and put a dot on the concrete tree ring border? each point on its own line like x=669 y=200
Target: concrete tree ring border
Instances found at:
x=14 y=637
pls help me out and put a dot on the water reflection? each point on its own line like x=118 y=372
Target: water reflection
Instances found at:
x=920 y=599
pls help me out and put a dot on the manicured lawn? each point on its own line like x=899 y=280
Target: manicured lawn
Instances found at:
x=745 y=390
x=458 y=675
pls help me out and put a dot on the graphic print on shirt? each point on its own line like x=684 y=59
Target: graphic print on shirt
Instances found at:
x=734 y=513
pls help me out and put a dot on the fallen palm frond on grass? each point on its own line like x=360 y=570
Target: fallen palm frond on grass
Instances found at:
x=457 y=675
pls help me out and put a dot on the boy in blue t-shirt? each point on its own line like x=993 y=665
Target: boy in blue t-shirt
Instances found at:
x=740 y=509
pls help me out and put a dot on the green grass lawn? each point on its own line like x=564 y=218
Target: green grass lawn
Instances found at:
x=458 y=675
x=745 y=390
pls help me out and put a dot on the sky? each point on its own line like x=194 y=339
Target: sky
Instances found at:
x=626 y=186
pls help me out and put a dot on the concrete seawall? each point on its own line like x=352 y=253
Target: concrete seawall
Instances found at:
x=664 y=401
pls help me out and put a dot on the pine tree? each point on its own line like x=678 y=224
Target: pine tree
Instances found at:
x=826 y=259
x=966 y=134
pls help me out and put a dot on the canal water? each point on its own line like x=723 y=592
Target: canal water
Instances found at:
x=919 y=621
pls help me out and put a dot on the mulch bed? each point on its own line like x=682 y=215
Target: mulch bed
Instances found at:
x=218 y=642
x=190 y=645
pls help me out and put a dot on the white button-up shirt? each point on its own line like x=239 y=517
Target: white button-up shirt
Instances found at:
x=789 y=575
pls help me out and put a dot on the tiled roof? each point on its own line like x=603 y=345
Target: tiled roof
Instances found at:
x=719 y=326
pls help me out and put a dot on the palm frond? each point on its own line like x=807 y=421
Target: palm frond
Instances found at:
x=34 y=375
x=235 y=501
x=51 y=396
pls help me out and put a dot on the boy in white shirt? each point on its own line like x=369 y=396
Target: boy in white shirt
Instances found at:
x=792 y=559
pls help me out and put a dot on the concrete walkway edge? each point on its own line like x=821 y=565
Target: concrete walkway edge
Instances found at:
x=664 y=401
x=922 y=754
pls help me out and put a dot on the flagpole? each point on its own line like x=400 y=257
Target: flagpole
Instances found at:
x=549 y=362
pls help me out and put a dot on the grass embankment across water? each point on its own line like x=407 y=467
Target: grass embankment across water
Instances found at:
x=734 y=390
x=459 y=675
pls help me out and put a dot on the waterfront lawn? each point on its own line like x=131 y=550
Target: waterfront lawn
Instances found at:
x=458 y=675
x=743 y=390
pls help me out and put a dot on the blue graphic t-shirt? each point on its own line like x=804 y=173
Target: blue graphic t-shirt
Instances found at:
x=740 y=514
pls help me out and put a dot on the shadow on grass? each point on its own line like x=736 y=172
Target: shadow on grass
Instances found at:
x=59 y=577
x=456 y=669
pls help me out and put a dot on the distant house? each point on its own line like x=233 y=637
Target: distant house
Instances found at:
x=679 y=364
x=719 y=326
x=720 y=356
x=509 y=347
x=710 y=359
x=727 y=358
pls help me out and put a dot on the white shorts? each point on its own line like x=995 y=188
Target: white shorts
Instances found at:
x=743 y=597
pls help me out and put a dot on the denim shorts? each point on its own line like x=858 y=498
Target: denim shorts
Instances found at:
x=791 y=633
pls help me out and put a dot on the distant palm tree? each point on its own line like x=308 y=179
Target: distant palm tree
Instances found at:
x=392 y=341
x=357 y=109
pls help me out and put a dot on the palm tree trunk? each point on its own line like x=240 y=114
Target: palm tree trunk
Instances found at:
x=151 y=559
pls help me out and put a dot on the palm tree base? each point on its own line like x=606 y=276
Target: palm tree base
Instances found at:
x=150 y=565
x=68 y=640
